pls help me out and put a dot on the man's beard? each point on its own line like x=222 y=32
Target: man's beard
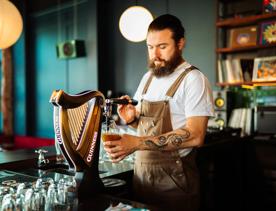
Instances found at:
x=169 y=66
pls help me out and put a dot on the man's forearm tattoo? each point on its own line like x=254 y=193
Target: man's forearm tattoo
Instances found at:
x=162 y=140
x=186 y=133
x=173 y=139
x=151 y=144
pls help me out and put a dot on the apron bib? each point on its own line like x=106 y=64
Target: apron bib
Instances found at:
x=163 y=178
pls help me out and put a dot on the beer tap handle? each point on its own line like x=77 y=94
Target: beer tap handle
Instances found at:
x=121 y=101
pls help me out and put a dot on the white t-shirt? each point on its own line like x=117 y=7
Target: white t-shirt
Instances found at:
x=192 y=98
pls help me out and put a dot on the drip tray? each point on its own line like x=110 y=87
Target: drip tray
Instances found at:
x=113 y=182
x=115 y=186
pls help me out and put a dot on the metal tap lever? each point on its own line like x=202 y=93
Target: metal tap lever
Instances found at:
x=112 y=101
x=121 y=101
x=108 y=107
x=41 y=157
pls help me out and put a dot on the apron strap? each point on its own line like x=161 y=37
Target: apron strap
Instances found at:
x=176 y=84
x=147 y=84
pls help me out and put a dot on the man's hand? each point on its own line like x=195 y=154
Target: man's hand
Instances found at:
x=126 y=112
x=119 y=149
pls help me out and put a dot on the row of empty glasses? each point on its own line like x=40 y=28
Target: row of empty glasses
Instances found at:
x=43 y=194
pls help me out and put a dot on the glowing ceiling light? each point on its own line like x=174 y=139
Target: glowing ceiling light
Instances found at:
x=11 y=24
x=134 y=23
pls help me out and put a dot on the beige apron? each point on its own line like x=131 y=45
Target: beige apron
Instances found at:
x=164 y=178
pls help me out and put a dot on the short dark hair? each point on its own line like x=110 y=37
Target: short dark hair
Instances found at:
x=170 y=22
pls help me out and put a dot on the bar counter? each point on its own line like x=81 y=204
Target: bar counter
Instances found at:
x=21 y=166
x=233 y=171
x=20 y=159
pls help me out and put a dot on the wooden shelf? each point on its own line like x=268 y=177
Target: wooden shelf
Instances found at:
x=248 y=48
x=250 y=83
x=240 y=21
x=233 y=84
x=222 y=50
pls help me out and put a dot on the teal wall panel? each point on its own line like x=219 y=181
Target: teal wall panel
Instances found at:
x=83 y=72
x=199 y=19
x=19 y=79
x=51 y=73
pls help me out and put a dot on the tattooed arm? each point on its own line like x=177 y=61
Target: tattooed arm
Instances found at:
x=191 y=135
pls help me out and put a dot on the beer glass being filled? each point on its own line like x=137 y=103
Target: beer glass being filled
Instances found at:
x=110 y=132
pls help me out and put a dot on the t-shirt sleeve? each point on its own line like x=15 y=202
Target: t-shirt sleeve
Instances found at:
x=198 y=96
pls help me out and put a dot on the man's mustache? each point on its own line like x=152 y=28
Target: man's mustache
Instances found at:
x=158 y=60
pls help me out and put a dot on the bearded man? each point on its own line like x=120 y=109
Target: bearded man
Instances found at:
x=175 y=102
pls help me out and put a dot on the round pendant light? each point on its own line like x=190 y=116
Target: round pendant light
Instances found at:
x=11 y=24
x=134 y=23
